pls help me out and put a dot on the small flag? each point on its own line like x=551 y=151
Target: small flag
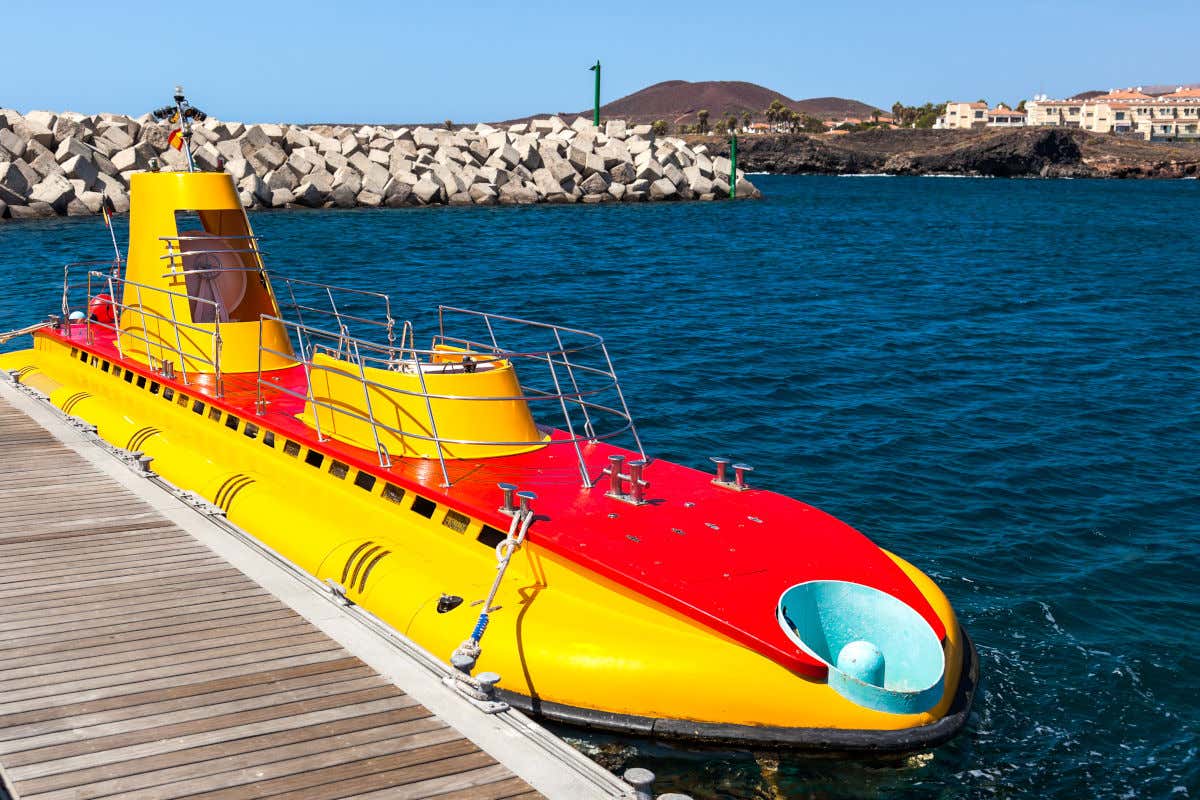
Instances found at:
x=175 y=138
x=107 y=209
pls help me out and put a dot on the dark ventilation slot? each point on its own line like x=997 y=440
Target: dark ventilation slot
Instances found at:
x=337 y=469
x=424 y=507
x=360 y=564
x=230 y=489
x=362 y=584
x=350 y=561
x=393 y=493
x=313 y=458
x=291 y=448
x=491 y=536
x=456 y=522
x=364 y=480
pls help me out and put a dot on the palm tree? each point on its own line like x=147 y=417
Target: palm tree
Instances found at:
x=702 y=116
x=746 y=120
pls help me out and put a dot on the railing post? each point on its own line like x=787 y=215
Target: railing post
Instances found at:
x=621 y=396
x=362 y=374
x=142 y=317
x=570 y=424
x=116 y=315
x=587 y=419
x=437 y=440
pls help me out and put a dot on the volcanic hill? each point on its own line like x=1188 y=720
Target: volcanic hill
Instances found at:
x=678 y=102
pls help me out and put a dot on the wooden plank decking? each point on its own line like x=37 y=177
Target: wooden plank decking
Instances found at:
x=137 y=663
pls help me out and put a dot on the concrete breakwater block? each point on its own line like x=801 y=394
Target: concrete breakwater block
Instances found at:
x=60 y=163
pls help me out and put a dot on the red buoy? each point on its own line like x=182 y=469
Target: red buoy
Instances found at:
x=100 y=309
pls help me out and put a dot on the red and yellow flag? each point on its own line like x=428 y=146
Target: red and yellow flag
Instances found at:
x=107 y=209
x=175 y=138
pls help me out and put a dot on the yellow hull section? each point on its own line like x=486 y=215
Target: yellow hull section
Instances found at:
x=563 y=634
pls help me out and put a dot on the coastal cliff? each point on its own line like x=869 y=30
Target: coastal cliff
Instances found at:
x=1014 y=152
x=66 y=164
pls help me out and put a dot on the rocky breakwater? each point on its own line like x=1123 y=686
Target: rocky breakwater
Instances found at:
x=54 y=164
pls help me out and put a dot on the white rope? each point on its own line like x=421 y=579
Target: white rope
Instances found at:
x=5 y=337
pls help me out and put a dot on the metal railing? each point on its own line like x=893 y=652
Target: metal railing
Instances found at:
x=566 y=376
x=334 y=310
x=176 y=253
x=145 y=340
x=575 y=389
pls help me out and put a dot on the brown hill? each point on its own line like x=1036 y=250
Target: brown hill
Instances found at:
x=677 y=102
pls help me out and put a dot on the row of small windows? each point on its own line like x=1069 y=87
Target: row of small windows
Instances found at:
x=453 y=520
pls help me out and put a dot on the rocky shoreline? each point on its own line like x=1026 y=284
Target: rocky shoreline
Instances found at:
x=1009 y=153
x=66 y=164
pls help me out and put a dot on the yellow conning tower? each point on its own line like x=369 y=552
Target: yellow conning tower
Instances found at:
x=202 y=288
x=453 y=404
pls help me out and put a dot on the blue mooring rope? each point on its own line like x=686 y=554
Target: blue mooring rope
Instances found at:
x=480 y=627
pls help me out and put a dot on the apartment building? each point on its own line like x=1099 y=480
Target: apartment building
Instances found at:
x=961 y=116
x=1171 y=116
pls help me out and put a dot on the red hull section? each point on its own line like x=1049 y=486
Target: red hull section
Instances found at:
x=720 y=557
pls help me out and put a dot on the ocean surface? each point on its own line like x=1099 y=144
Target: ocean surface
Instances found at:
x=996 y=379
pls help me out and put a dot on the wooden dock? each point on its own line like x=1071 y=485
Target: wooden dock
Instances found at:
x=138 y=662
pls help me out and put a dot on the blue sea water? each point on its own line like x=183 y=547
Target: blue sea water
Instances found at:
x=996 y=379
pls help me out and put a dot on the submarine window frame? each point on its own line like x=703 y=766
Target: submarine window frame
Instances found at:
x=250 y=431
x=154 y=387
x=74 y=351
x=338 y=469
x=365 y=481
x=214 y=413
x=291 y=448
x=456 y=521
x=129 y=376
x=269 y=439
x=314 y=459
x=392 y=493
x=168 y=394
x=490 y=536
x=198 y=407
x=232 y=422
x=82 y=355
x=423 y=506
x=141 y=382
x=105 y=366
x=182 y=400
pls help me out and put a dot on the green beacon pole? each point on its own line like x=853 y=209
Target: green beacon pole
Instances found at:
x=596 y=103
x=733 y=166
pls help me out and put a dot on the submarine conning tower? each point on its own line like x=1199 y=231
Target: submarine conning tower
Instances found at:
x=195 y=269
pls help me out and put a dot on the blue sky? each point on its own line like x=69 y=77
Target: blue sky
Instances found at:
x=368 y=61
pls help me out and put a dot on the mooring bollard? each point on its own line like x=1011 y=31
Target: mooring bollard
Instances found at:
x=642 y=781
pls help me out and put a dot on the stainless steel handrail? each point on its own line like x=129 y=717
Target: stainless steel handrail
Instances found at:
x=176 y=324
x=357 y=354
